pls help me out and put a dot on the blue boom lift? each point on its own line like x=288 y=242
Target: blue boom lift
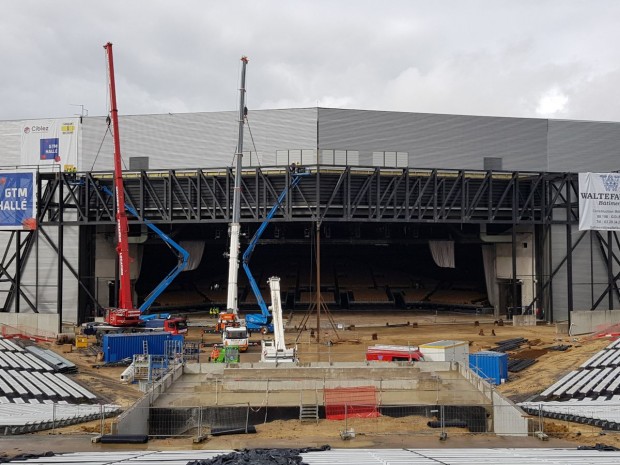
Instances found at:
x=262 y=321
x=182 y=254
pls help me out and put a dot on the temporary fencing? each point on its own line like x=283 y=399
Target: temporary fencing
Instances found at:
x=28 y=418
x=372 y=419
x=410 y=420
x=199 y=421
x=358 y=402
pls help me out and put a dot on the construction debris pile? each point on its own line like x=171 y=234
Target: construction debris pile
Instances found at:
x=261 y=457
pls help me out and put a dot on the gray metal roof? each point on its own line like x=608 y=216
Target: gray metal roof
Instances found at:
x=357 y=457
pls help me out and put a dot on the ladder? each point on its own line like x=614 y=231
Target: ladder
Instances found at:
x=307 y=411
x=145 y=347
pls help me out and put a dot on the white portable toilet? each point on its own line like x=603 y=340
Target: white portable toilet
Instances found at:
x=446 y=351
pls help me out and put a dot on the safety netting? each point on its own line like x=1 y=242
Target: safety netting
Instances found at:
x=350 y=402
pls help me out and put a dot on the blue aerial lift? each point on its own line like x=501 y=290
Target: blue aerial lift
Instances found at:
x=154 y=322
x=182 y=255
x=262 y=321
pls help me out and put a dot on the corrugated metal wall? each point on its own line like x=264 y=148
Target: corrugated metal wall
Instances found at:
x=198 y=140
x=437 y=141
x=589 y=271
x=194 y=140
x=10 y=143
x=579 y=146
x=39 y=279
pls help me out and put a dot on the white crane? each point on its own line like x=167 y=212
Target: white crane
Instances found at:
x=275 y=350
x=232 y=303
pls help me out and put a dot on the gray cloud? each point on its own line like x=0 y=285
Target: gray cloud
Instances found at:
x=494 y=57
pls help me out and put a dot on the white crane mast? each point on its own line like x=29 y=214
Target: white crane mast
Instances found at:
x=276 y=313
x=232 y=303
x=275 y=350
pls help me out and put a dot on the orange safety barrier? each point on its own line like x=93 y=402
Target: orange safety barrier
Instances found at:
x=351 y=402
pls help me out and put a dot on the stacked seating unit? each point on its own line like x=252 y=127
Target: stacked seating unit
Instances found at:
x=589 y=394
x=35 y=375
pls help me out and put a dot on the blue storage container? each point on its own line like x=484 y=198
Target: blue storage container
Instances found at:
x=119 y=346
x=490 y=366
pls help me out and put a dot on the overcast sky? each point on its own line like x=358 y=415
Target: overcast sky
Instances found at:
x=522 y=58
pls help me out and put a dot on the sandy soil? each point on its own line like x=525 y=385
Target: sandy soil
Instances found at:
x=350 y=345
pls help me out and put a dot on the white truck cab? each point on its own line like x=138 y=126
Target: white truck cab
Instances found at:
x=235 y=336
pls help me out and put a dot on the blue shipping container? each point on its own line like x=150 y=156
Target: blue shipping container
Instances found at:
x=125 y=345
x=490 y=366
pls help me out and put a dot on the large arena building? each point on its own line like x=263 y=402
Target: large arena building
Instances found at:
x=414 y=212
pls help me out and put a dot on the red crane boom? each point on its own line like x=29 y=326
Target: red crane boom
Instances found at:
x=126 y=314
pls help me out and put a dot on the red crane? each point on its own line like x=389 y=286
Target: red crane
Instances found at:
x=126 y=314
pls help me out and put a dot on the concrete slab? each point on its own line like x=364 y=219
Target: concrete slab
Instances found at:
x=425 y=383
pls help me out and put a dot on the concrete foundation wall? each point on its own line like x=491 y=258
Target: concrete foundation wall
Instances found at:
x=396 y=383
x=135 y=420
x=313 y=384
x=524 y=320
x=311 y=370
x=485 y=388
x=508 y=419
x=588 y=321
x=41 y=324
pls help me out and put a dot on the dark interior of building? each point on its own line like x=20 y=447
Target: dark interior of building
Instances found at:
x=364 y=266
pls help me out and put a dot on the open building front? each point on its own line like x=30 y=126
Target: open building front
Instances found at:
x=414 y=211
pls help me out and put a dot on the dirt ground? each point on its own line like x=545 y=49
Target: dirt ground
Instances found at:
x=365 y=329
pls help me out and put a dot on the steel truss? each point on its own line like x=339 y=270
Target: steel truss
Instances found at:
x=329 y=194
x=334 y=194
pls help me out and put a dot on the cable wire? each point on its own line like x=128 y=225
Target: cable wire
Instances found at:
x=100 y=145
x=253 y=144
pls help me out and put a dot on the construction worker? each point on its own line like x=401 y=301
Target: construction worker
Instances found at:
x=215 y=353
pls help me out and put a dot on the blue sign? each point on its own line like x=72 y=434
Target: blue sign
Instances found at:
x=17 y=200
x=49 y=149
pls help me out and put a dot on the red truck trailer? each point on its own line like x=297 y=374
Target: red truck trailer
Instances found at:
x=393 y=353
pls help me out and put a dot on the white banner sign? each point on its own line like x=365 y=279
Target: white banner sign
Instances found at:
x=50 y=142
x=599 y=201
